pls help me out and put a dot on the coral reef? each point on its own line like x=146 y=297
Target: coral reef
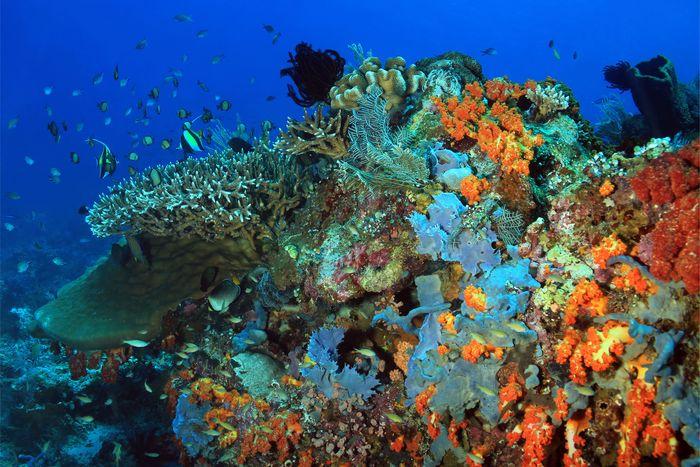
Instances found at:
x=478 y=281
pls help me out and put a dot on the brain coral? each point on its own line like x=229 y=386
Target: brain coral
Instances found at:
x=397 y=83
x=221 y=195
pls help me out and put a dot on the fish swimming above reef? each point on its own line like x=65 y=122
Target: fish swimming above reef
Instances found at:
x=140 y=45
x=201 y=33
x=22 y=266
x=268 y=28
x=489 y=51
x=106 y=162
x=97 y=79
x=53 y=129
x=190 y=141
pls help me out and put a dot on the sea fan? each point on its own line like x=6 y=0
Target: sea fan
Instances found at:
x=380 y=157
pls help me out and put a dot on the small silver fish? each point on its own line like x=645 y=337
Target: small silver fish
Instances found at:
x=148 y=388
x=86 y=418
x=151 y=454
x=136 y=343
x=58 y=261
x=84 y=399
x=211 y=433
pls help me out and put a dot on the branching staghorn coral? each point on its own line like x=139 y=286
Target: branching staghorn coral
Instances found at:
x=221 y=195
x=546 y=102
x=378 y=156
x=315 y=134
x=395 y=80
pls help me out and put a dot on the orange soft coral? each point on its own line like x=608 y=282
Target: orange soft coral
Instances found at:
x=631 y=278
x=600 y=349
x=475 y=298
x=586 y=297
x=574 y=441
x=511 y=392
x=606 y=188
x=216 y=415
x=475 y=349
x=562 y=411
x=639 y=401
x=537 y=433
x=606 y=249
x=498 y=131
x=447 y=320
x=423 y=398
x=472 y=187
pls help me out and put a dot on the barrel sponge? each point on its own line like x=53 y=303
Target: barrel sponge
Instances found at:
x=119 y=298
x=395 y=79
x=214 y=197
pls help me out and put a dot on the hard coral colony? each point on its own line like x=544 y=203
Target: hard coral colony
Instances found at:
x=487 y=282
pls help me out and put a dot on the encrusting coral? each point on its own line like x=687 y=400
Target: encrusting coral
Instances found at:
x=395 y=80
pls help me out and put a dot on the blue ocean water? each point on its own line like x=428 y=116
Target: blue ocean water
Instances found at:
x=48 y=50
x=65 y=44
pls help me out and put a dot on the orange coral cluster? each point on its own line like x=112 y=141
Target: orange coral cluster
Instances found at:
x=475 y=349
x=631 y=278
x=587 y=297
x=537 y=433
x=475 y=298
x=498 y=131
x=598 y=351
x=606 y=249
x=282 y=431
x=606 y=188
x=511 y=392
x=471 y=187
x=574 y=427
x=423 y=398
x=447 y=320
x=644 y=424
